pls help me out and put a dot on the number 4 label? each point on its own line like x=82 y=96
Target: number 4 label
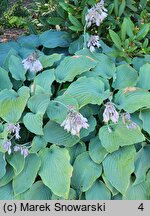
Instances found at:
x=141 y=207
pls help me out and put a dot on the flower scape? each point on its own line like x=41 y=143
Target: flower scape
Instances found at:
x=75 y=111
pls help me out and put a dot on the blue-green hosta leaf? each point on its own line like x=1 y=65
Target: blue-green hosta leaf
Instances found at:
x=31 y=41
x=37 y=144
x=38 y=103
x=75 y=150
x=56 y=111
x=56 y=170
x=98 y=191
x=53 y=39
x=6 y=192
x=85 y=172
x=12 y=104
x=144 y=77
x=96 y=151
x=70 y=67
x=49 y=60
x=72 y=196
x=2 y=165
x=38 y=191
x=34 y=123
x=118 y=167
x=88 y=91
x=136 y=192
x=105 y=67
x=43 y=81
x=120 y=136
x=145 y=117
x=7 y=177
x=16 y=68
x=6 y=61
x=125 y=76
x=142 y=164
x=27 y=176
x=5 y=82
x=17 y=161
x=109 y=185
x=132 y=99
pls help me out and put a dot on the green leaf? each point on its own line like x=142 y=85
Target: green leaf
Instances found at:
x=130 y=27
x=5 y=82
x=122 y=8
x=17 y=161
x=132 y=99
x=7 y=177
x=2 y=164
x=10 y=102
x=16 y=68
x=116 y=39
x=72 y=196
x=56 y=170
x=30 y=41
x=98 y=191
x=38 y=103
x=145 y=117
x=118 y=167
x=85 y=172
x=53 y=39
x=38 y=191
x=56 y=134
x=142 y=164
x=120 y=136
x=49 y=60
x=88 y=94
x=6 y=192
x=143 y=31
x=76 y=28
x=144 y=77
x=34 y=123
x=76 y=150
x=75 y=21
x=37 y=144
x=70 y=67
x=105 y=67
x=44 y=81
x=55 y=20
x=125 y=76
x=25 y=179
x=96 y=151
x=136 y=192
x=76 y=45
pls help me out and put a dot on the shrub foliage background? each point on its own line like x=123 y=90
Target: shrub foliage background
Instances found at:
x=107 y=160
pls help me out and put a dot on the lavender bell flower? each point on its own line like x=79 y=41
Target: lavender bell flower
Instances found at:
x=96 y=14
x=32 y=63
x=12 y=128
x=93 y=42
x=24 y=152
x=7 y=146
x=74 y=122
x=110 y=113
x=126 y=119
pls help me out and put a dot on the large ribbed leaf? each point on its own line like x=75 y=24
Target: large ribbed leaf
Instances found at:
x=38 y=191
x=49 y=60
x=132 y=99
x=76 y=150
x=144 y=77
x=16 y=68
x=98 y=191
x=43 y=82
x=56 y=170
x=12 y=104
x=125 y=76
x=142 y=164
x=52 y=39
x=7 y=177
x=4 y=80
x=85 y=172
x=118 y=167
x=145 y=117
x=2 y=165
x=25 y=179
x=70 y=67
x=120 y=136
x=88 y=91
x=34 y=123
x=37 y=144
x=17 y=161
x=6 y=192
x=96 y=151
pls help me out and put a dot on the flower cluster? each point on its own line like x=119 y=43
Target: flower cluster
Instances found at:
x=12 y=128
x=32 y=63
x=126 y=119
x=93 y=42
x=110 y=113
x=24 y=151
x=74 y=122
x=96 y=14
x=7 y=146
